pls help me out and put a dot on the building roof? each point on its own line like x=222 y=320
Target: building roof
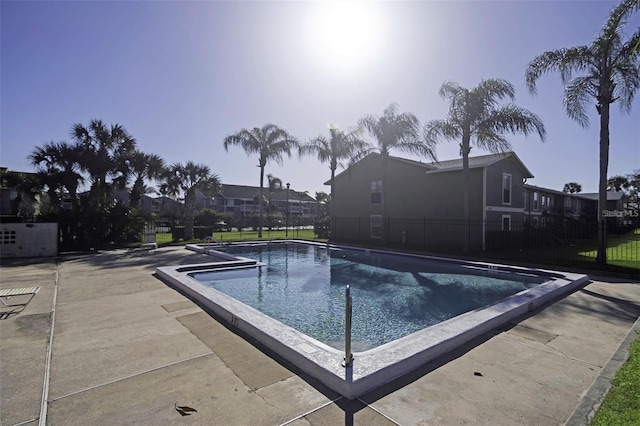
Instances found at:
x=552 y=191
x=611 y=196
x=451 y=165
x=243 y=192
x=479 y=162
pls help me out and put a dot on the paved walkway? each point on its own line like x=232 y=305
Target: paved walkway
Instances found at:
x=126 y=349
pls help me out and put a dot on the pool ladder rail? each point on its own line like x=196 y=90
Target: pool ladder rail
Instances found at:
x=210 y=242
x=348 y=356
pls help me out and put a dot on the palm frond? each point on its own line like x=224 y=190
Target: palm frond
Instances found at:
x=512 y=119
x=419 y=147
x=492 y=90
x=618 y=17
x=627 y=82
x=565 y=61
x=371 y=124
x=435 y=130
x=576 y=94
x=246 y=139
x=491 y=141
x=450 y=90
x=318 y=146
x=360 y=155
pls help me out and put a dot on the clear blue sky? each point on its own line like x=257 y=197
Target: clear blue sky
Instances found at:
x=180 y=76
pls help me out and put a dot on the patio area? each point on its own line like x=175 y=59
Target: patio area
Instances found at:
x=105 y=342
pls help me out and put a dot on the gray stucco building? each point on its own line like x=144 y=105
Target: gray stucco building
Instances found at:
x=424 y=201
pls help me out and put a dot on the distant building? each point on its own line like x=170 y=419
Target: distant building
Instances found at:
x=242 y=200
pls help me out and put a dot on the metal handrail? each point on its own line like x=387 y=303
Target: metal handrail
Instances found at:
x=348 y=356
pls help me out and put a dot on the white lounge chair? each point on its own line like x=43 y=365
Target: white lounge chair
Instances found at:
x=8 y=293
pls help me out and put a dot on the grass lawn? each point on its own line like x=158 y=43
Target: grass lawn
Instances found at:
x=622 y=404
x=622 y=250
x=233 y=236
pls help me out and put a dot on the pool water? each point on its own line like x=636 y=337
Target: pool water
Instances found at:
x=303 y=287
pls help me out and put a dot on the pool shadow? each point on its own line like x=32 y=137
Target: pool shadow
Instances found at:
x=411 y=377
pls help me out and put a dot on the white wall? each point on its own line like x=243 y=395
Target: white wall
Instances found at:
x=28 y=239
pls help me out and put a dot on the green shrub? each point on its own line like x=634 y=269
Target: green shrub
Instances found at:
x=322 y=227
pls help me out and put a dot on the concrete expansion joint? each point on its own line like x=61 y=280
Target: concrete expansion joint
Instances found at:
x=380 y=412
x=255 y=392
x=171 y=364
x=551 y=350
x=44 y=401
x=303 y=415
x=26 y=422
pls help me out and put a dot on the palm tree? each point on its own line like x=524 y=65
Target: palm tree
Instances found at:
x=608 y=71
x=143 y=166
x=393 y=130
x=105 y=150
x=270 y=143
x=58 y=165
x=339 y=147
x=187 y=179
x=475 y=117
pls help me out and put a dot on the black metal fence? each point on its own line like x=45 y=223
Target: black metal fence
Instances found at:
x=555 y=241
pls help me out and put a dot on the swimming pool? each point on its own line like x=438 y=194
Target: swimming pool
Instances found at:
x=309 y=279
x=393 y=296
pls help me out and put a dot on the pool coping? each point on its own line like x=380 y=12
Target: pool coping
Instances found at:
x=382 y=364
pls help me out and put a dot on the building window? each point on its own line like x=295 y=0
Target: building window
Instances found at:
x=506 y=188
x=525 y=201
x=535 y=201
x=376 y=226
x=376 y=192
x=506 y=222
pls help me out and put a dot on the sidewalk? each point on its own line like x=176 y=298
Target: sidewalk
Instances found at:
x=126 y=348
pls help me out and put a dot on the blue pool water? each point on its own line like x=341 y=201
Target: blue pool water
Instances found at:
x=303 y=286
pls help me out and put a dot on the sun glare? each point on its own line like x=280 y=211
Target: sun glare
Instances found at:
x=345 y=36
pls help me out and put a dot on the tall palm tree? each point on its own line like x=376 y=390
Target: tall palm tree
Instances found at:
x=394 y=130
x=58 y=166
x=105 y=150
x=475 y=117
x=607 y=70
x=339 y=147
x=143 y=166
x=270 y=143
x=187 y=179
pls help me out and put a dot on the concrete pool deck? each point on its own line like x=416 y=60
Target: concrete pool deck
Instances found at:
x=126 y=348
